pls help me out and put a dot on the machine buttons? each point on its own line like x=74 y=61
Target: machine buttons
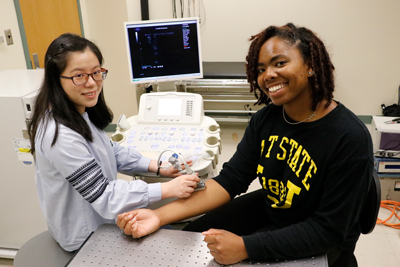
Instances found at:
x=154 y=146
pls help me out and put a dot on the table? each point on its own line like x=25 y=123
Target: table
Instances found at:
x=109 y=246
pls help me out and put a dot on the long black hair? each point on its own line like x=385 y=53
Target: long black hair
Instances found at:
x=312 y=50
x=53 y=102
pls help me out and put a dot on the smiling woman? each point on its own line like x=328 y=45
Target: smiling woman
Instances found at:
x=283 y=74
x=76 y=163
x=84 y=85
x=296 y=61
x=311 y=155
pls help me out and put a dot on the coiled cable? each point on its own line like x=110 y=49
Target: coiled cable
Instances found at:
x=392 y=206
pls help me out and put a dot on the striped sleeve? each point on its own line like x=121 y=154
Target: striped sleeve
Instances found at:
x=89 y=181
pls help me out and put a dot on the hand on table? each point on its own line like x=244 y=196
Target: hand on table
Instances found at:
x=138 y=223
x=225 y=247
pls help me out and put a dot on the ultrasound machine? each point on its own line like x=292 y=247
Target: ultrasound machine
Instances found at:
x=169 y=123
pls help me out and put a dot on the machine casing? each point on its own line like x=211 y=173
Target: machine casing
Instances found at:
x=172 y=120
x=21 y=216
x=386 y=137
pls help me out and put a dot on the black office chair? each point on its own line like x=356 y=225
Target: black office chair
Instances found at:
x=369 y=214
x=42 y=250
x=368 y=217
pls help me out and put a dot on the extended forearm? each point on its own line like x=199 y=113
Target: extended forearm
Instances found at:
x=200 y=202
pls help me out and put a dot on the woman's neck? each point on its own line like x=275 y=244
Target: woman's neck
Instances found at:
x=300 y=113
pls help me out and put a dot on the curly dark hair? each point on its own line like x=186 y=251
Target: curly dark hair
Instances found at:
x=311 y=48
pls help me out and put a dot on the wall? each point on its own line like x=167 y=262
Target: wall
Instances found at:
x=11 y=56
x=362 y=37
x=103 y=22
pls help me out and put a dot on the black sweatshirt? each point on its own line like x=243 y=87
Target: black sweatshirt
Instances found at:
x=315 y=178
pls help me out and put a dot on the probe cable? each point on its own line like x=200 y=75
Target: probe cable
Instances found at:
x=393 y=206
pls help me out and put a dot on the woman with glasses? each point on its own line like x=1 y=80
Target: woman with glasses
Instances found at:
x=76 y=163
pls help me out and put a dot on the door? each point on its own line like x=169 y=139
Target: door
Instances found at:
x=45 y=20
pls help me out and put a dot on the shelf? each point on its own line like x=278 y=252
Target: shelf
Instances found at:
x=388 y=175
x=225 y=100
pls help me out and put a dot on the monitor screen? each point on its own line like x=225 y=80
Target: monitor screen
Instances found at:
x=163 y=50
x=169 y=107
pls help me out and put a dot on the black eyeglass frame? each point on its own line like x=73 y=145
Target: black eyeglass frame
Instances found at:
x=102 y=70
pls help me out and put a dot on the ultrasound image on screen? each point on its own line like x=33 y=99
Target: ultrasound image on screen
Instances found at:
x=164 y=50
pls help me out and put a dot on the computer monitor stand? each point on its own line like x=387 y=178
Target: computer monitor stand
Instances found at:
x=164 y=87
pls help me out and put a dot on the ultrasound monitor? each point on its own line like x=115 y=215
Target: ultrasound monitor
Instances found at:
x=163 y=50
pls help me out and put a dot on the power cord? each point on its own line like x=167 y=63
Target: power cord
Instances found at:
x=393 y=206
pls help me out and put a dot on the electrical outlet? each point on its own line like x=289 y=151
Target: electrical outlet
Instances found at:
x=397 y=186
x=9 y=38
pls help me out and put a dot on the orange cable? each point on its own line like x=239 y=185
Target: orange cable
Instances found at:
x=393 y=206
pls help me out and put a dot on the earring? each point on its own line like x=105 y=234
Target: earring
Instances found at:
x=311 y=73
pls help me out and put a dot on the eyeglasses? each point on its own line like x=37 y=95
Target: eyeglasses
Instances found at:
x=82 y=78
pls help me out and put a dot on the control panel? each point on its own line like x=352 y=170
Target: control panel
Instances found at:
x=172 y=120
x=171 y=108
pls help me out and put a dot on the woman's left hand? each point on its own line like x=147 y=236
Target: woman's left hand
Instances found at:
x=171 y=172
x=225 y=247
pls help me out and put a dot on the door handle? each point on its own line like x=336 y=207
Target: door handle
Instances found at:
x=36 y=60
